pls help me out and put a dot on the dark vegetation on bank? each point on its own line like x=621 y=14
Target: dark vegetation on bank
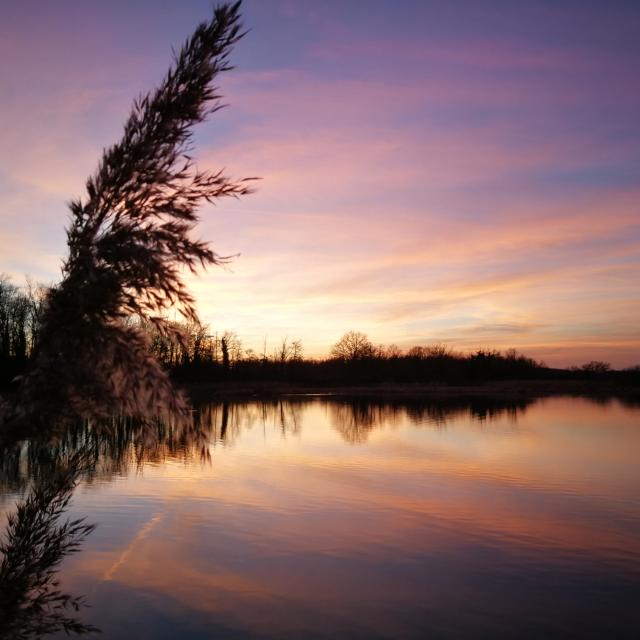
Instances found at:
x=206 y=360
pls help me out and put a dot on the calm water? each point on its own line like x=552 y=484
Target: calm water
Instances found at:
x=317 y=518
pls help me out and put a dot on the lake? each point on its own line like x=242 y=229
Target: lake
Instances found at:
x=324 y=518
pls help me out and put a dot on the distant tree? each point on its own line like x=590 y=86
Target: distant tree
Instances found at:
x=129 y=243
x=296 y=351
x=288 y=351
x=281 y=353
x=250 y=355
x=233 y=344
x=225 y=354
x=19 y=322
x=596 y=366
x=8 y=293
x=392 y=352
x=438 y=351
x=353 y=346
x=199 y=343
x=431 y=351
x=418 y=352
x=36 y=295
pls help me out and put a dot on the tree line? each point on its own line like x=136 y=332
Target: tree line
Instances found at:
x=20 y=314
x=204 y=355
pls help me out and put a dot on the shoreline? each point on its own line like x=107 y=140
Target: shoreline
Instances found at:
x=501 y=390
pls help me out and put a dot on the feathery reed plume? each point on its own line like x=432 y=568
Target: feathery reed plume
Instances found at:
x=128 y=242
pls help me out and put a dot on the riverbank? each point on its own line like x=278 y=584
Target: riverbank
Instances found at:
x=506 y=391
x=501 y=390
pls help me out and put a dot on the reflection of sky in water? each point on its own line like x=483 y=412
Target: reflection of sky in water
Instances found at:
x=301 y=524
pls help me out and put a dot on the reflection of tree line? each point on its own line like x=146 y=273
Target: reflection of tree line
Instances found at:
x=352 y=418
x=36 y=539
x=226 y=421
x=110 y=448
x=356 y=419
x=121 y=445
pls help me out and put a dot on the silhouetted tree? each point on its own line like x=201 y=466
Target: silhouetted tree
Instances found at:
x=234 y=346
x=418 y=352
x=19 y=322
x=296 y=351
x=596 y=366
x=225 y=354
x=128 y=242
x=288 y=351
x=353 y=346
x=392 y=351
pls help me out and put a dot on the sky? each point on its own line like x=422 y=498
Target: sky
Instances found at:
x=465 y=173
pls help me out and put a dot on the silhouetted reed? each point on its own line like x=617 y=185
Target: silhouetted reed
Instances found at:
x=129 y=240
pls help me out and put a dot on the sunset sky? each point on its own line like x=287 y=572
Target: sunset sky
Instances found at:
x=437 y=171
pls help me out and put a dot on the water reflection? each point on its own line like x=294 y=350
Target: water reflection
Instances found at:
x=120 y=445
x=367 y=519
x=37 y=537
x=354 y=419
x=35 y=541
x=108 y=448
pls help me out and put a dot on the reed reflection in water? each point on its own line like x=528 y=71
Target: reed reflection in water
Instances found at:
x=323 y=518
x=35 y=542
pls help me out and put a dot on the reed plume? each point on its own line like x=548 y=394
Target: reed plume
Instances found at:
x=129 y=242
